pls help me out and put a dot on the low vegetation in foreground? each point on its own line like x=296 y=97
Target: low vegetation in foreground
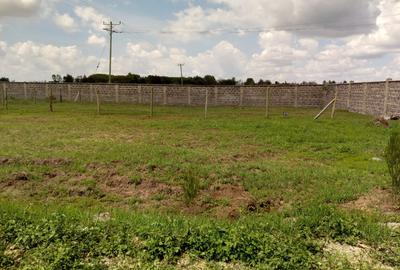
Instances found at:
x=235 y=191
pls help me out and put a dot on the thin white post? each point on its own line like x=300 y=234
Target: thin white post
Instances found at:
x=116 y=93
x=165 y=95
x=189 y=93
x=206 y=105
x=385 y=103
x=365 y=94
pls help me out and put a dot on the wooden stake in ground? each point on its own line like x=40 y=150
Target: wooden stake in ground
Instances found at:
x=267 y=102
x=51 y=99
x=5 y=96
x=98 y=101
x=2 y=97
x=334 y=103
x=152 y=102
x=61 y=97
x=324 y=109
x=206 y=105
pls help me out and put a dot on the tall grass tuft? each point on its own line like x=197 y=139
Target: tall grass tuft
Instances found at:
x=190 y=185
x=392 y=155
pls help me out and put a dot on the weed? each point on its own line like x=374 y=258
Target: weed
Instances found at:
x=190 y=185
x=393 y=158
x=135 y=180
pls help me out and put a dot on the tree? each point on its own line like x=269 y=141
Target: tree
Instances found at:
x=4 y=79
x=56 y=78
x=210 y=80
x=68 y=79
x=227 y=82
x=262 y=82
x=249 y=81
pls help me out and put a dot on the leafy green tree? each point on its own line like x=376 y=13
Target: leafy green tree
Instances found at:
x=4 y=79
x=210 y=80
x=249 y=81
x=227 y=82
x=56 y=78
x=68 y=78
x=262 y=82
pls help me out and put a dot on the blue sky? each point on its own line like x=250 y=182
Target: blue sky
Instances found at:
x=286 y=40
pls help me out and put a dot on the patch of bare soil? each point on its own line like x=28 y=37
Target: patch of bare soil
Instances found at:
x=229 y=201
x=156 y=195
x=381 y=122
x=55 y=162
x=148 y=189
x=357 y=256
x=220 y=201
x=246 y=157
x=111 y=182
x=17 y=179
x=379 y=199
x=6 y=161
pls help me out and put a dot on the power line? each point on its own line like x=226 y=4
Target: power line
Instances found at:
x=110 y=29
x=243 y=30
x=101 y=56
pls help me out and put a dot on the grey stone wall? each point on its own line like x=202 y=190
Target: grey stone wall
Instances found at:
x=375 y=98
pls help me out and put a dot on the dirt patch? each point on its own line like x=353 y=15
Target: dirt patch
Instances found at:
x=266 y=205
x=15 y=180
x=148 y=189
x=51 y=162
x=379 y=199
x=7 y=161
x=381 y=122
x=20 y=176
x=359 y=255
x=247 y=153
x=110 y=181
x=39 y=162
x=221 y=201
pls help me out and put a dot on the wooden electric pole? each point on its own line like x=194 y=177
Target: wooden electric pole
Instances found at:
x=181 y=67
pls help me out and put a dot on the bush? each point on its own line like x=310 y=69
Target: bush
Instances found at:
x=191 y=186
x=392 y=156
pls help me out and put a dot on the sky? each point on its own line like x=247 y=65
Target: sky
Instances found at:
x=285 y=40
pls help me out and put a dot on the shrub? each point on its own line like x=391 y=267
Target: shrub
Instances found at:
x=392 y=156
x=191 y=186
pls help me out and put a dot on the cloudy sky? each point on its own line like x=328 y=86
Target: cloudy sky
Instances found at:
x=292 y=40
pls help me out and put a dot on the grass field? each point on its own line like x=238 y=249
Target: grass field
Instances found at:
x=82 y=191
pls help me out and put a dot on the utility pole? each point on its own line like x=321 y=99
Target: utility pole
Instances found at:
x=110 y=29
x=181 y=66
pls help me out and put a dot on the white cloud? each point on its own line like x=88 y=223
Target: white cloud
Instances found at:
x=66 y=22
x=91 y=17
x=11 y=8
x=32 y=61
x=222 y=60
x=94 y=39
x=25 y=8
x=315 y=17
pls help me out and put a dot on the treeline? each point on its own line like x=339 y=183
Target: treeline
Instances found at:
x=151 y=79
x=155 y=79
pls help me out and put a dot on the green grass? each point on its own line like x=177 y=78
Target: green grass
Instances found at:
x=312 y=167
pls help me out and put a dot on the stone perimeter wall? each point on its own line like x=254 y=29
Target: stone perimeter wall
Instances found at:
x=375 y=98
